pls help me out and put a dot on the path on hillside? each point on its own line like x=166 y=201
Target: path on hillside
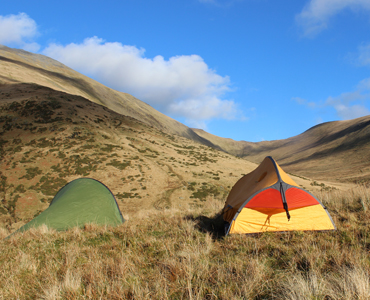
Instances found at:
x=164 y=202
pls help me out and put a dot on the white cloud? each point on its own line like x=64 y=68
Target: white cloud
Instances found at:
x=299 y=100
x=316 y=14
x=207 y=108
x=347 y=112
x=181 y=86
x=353 y=104
x=18 y=30
x=319 y=120
x=363 y=57
x=304 y=102
x=364 y=85
x=347 y=106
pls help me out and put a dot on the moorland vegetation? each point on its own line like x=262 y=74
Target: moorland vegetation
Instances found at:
x=183 y=254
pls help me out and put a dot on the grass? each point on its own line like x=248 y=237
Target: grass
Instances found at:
x=119 y=165
x=49 y=186
x=172 y=254
x=204 y=191
x=31 y=173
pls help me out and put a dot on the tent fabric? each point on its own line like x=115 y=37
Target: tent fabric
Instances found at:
x=306 y=218
x=267 y=199
x=79 y=202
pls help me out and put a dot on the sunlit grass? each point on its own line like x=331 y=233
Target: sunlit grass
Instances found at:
x=182 y=254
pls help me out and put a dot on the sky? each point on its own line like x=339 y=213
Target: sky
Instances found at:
x=250 y=70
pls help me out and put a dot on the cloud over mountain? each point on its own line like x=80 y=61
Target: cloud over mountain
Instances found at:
x=18 y=30
x=349 y=105
x=181 y=86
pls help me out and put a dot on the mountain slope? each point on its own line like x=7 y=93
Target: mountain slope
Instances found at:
x=337 y=150
x=48 y=138
x=333 y=151
x=19 y=66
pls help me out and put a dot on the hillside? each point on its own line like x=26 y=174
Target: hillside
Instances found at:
x=49 y=138
x=19 y=66
x=226 y=144
x=337 y=151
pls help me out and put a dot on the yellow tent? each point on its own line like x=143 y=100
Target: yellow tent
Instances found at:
x=267 y=199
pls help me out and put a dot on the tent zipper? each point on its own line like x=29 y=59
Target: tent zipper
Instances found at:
x=285 y=204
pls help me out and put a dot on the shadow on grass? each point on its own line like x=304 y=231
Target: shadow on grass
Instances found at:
x=214 y=226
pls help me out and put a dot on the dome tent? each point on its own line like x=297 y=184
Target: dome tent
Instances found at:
x=79 y=202
x=267 y=199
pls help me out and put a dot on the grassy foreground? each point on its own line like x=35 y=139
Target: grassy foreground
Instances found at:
x=183 y=255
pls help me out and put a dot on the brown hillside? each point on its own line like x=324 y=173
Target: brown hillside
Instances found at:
x=337 y=151
x=225 y=144
x=19 y=66
x=49 y=138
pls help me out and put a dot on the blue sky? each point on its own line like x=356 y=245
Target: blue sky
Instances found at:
x=249 y=70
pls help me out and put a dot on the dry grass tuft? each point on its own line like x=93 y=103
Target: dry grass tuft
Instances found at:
x=4 y=232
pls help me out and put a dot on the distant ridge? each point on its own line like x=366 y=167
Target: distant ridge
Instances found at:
x=338 y=150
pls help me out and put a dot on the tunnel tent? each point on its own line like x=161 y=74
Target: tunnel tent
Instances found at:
x=267 y=199
x=81 y=201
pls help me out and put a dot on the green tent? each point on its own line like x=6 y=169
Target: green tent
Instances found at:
x=79 y=202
